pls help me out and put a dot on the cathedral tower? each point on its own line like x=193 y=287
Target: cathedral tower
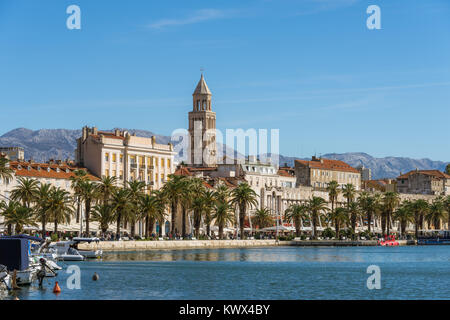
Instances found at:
x=202 y=126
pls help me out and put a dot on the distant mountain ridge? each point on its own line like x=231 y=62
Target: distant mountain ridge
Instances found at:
x=44 y=144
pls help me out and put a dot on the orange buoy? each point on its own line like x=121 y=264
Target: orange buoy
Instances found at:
x=56 y=288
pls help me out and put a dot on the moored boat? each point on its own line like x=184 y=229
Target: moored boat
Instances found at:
x=433 y=237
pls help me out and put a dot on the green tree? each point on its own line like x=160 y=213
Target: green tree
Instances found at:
x=447 y=169
x=209 y=199
x=223 y=215
x=6 y=173
x=403 y=215
x=173 y=191
x=316 y=206
x=390 y=201
x=150 y=207
x=89 y=195
x=262 y=218
x=297 y=213
x=105 y=188
x=340 y=217
x=369 y=205
x=333 y=192
x=436 y=213
x=60 y=207
x=79 y=176
x=447 y=209
x=349 y=193
x=26 y=191
x=419 y=210
x=104 y=215
x=136 y=191
x=354 y=211
x=18 y=215
x=121 y=207
x=42 y=205
x=243 y=197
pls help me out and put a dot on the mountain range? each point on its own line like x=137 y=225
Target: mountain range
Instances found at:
x=44 y=144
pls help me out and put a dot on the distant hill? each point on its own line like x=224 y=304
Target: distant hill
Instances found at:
x=44 y=144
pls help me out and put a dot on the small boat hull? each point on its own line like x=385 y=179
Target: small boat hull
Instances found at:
x=70 y=257
x=94 y=254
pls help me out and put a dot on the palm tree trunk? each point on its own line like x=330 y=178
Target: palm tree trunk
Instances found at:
x=174 y=208
x=383 y=223
x=388 y=217
x=88 y=210
x=43 y=226
x=133 y=229
x=147 y=227
x=336 y=227
x=220 y=231
x=369 y=221
x=208 y=229
x=119 y=218
x=56 y=226
x=161 y=225
x=241 y=221
x=183 y=226
x=78 y=209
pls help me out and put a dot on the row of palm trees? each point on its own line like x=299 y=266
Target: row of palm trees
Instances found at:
x=387 y=207
x=106 y=202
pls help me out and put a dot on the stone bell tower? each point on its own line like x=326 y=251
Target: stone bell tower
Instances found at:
x=202 y=128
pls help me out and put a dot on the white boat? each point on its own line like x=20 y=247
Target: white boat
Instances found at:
x=88 y=254
x=65 y=251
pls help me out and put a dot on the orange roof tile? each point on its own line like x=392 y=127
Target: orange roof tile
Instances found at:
x=435 y=173
x=46 y=170
x=328 y=164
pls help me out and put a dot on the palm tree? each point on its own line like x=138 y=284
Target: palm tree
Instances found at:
x=262 y=218
x=6 y=173
x=60 y=207
x=419 y=210
x=243 y=197
x=333 y=192
x=354 y=211
x=340 y=217
x=18 y=215
x=447 y=209
x=26 y=191
x=297 y=213
x=316 y=206
x=8 y=209
x=173 y=191
x=106 y=188
x=390 y=201
x=436 y=213
x=80 y=175
x=403 y=215
x=121 y=207
x=103 y=214
x=198 y=207
x=209 y=199
x=136 y=191
x=223 y=215
x=349 y=193
x=150 y=207
x=369 y=205
x=42 y=204
x=88 y=196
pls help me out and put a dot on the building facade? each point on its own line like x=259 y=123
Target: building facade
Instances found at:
x=318 y=173
x=125 y=156
x=432 y=182
x=13 y=153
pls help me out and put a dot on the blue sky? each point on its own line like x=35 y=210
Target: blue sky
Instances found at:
x=310 y=68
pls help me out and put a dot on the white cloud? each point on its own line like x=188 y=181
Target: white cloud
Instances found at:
x=196 y=17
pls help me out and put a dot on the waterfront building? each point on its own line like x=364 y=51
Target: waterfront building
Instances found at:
x=125 y=156
x=433 y=182
x=318 y=173
x=366 y=173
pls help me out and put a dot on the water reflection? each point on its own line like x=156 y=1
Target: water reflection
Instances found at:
x=286 y=254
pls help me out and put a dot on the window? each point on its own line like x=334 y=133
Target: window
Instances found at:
x=114 y=173
x=106 y=173
x=121 y=174
x=114 y=157
x=106 y=156
x=168 y=163
x=162 y=162
x=121 y=158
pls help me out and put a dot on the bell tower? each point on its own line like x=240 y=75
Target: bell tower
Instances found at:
x=202 y=128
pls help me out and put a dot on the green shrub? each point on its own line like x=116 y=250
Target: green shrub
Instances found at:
x=328 y=233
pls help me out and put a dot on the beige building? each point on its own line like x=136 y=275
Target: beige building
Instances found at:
x=318 y=173
x=125 y=156
x=433 y=182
